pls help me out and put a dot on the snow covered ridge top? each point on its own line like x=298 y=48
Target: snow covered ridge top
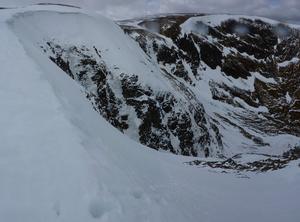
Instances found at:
x=190 y=20
x=217 y=20
x=200 y=24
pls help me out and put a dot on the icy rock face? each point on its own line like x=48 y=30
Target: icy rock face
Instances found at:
x=223 y=82
x=162 y=120
x=250 y=66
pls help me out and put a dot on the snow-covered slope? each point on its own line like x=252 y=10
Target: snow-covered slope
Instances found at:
x=124 y=84
x=61 y=161
x=196 y=85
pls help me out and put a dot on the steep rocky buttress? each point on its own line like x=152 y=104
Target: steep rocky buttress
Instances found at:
x=192 y=84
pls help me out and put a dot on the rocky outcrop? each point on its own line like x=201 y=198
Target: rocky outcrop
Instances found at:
x=161 y=120
x=265 y=164
x=241 y=60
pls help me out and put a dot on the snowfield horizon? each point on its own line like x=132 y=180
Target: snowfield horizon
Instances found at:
x=87 y=103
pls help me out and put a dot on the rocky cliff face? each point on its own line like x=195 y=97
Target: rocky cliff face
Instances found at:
x=210 y=85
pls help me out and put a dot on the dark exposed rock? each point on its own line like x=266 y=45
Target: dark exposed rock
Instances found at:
x=210 y=54
x=166 y=55
x=269 y=164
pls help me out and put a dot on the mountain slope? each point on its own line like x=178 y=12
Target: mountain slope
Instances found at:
x=138 y=99
x=200 y=85
x=244 y=71
x=61 y=161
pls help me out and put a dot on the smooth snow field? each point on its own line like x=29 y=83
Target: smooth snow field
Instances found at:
x=60 y=161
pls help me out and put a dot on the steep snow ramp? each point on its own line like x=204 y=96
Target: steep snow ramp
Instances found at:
x=126 y=87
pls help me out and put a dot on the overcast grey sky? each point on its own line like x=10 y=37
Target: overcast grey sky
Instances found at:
x=284 y=10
